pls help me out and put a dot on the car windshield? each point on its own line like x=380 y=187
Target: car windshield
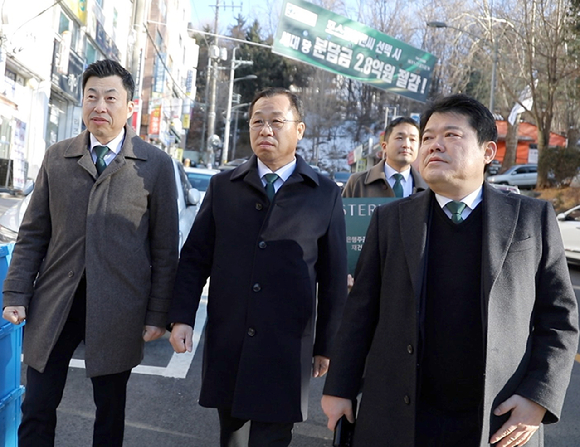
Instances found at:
x=199 y=181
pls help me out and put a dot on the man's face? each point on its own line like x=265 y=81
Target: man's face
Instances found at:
x=402 y=147
x=451 y=160
x=275 y=147
x=105 y=107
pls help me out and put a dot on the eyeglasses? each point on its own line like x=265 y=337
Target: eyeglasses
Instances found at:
x=275 y=124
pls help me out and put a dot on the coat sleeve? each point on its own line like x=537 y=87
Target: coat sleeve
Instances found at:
x=195 y=263
x=331 y=278
x=31 y=245
x=555 y=325
x=349 y=352
x=163 y=241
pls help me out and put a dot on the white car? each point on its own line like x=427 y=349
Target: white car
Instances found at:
x=523 y=176
x=569 y=223
x=188 y=200
x=199 y=178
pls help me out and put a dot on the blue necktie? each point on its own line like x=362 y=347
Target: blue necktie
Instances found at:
x=100 y=152
x=270 y=179
x=456 y=208
x=398 y=187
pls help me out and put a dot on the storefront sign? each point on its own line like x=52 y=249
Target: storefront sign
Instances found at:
x=357 y=214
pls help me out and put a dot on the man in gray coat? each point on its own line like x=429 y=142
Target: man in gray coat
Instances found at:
x=94 y=261
x=271 y=235
x=463 y=311
x=394 y=175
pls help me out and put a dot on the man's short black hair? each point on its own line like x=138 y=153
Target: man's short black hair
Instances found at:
x=107 y=67
x=478 y=116
x=295 y=101
x=394 y=123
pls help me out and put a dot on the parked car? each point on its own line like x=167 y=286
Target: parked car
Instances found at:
x=569 y=223
x=523 y=176
x=341 y=178
x=188 y=199
x=506 y=188
x=493 y=168
x=199 y=178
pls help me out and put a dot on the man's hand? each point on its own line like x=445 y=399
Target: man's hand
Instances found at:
x=524 y=420
x=151 y=333
x=334 y=407
x=320 y=366
x=349 y=281
x=14 y=314
x=181 y=338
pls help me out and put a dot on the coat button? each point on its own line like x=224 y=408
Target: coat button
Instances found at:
x=407 y=400
x=259 y=206
x=410 y=349
x=251 y=332
x=71 y=274
x=262 y=244
x=256 y=287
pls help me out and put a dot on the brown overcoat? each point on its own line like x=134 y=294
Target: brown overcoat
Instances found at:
x=120 y=229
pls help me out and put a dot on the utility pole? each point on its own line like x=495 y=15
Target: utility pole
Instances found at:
x=138 y=58
x=212 y=66
x=234 y=64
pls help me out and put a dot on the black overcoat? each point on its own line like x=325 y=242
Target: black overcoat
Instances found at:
x=530 y=316
x=277 y=290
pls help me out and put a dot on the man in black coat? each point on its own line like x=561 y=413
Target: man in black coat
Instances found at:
x=463 y=311
x=271 y=235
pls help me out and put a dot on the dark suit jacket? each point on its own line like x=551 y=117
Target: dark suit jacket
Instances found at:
x=529 y=310
x=268 y=265
x=120 y=228
x=373 y=183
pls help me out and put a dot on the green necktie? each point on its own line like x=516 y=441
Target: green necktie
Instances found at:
x=100 y=152
x=397 y=187
x=456 y=209
x=270 y=179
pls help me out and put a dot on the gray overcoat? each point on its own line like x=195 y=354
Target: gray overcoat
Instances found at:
x=120 y=229
x=530 y=316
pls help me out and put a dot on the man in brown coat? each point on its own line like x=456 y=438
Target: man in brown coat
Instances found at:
x=94 y=261
x=393 y=176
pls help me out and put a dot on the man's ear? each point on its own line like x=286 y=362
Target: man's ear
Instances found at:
x=130 y=107
x=490 y=151
x=300 y=128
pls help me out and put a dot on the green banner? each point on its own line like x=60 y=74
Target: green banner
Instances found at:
x=357 y=213
x=319 y=37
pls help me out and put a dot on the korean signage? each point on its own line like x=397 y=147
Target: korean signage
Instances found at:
x=106 y=43
x=319 y=37
x=155 y=106
x=357 y=214
x=67 y=71
x=78 y=8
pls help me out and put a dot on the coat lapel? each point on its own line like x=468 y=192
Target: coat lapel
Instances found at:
x=414 y=222
x=500 y=214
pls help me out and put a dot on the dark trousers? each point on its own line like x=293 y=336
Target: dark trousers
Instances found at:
x=44 y=390
x=437 y=428
x=236 y=432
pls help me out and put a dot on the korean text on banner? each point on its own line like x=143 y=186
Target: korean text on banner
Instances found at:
x=319 y=37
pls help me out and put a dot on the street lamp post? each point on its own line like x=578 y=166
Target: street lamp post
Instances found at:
x=436 y=24
x=234 y=64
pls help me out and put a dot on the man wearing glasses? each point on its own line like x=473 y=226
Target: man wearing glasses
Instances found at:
x=271 y=236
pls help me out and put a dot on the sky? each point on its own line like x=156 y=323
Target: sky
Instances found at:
x=203 y=12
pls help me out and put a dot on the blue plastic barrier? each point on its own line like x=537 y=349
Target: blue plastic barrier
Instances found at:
x=10 y=352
